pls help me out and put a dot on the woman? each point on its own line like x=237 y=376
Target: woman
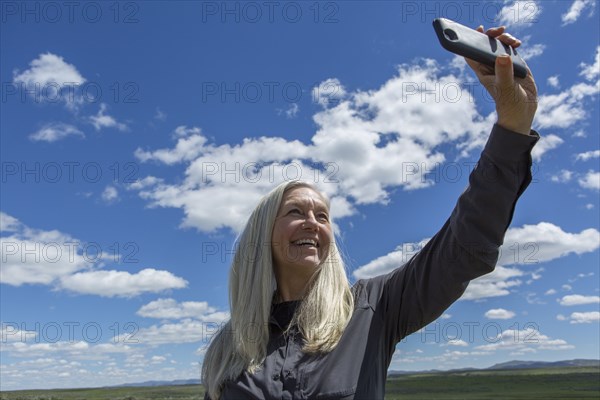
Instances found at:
x=299 y=331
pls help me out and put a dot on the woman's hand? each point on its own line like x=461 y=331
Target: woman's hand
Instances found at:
x=516 y=98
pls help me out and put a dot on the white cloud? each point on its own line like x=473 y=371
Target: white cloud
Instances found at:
x=494 y=284
x=533 y=244
x=329 y=92
x=184 y=131
x=516 y=14
x=563 y=176
x=587 y=155
x=585 y=317
x=499 y=313
x=577 y=299
x=102 y=120
x=184 y=331
x=122 y=283
x=188 y=148
x=367 y=144
x=531 y=51
x=553 y=81
x=49 y=68
x=591 y=71
x=110 y=194
x=519 y=340
x=591 y=180
x=455 y=342
x=148 y=181
x=566 y=287
x=81 y=349
x=564 y=109
x=291 y=112
x=33 y=256
x=384 y=264
x=550 y=292
x=171 y=309
x=545 y=143
x=530 y=244
x=10 y=332
x=157 y=359
x=9 y=223
x=48 y=76
x=575 y=11
x=54 y=131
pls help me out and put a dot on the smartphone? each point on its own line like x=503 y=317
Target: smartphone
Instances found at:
x=467 y=42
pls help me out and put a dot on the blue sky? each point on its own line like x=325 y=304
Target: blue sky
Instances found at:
x=136 y=137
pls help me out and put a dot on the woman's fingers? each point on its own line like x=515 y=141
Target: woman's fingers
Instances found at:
x=509 y=39
x=500 y=34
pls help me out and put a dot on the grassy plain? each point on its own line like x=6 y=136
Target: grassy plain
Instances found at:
x=542 y=383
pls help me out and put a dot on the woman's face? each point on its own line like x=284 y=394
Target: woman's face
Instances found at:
x=302 y=232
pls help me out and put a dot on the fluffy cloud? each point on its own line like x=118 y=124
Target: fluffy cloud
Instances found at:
x=516 y=340
x=545 y=143
x=564 y=109
x=553 y=81
x=591 y=180
x=33 y=256
x=388 y=262
x=329 y=92
x=568 y=107
x=577 y=299
x=494 y=284
x=102 y=120
x=531 y=51
x=591 y=71
x=519 y=13
x=9 y=223
x=366 y=144
x=563 y=176
x=499 y=313
x=585 y=317
x=110 y=194
x=576 y=9
x=533 y=244
x=122 y=283
x=184 y=331
x=529 y=244
x=55 y=131
x=587 y=155
x=171 y=309
x=186 y=149
x=49 y=75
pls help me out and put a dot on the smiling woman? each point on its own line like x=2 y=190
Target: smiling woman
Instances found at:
x=298 y=330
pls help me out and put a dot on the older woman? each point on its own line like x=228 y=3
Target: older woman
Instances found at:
x=298 y=330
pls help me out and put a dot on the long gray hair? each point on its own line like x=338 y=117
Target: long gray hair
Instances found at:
x=322 y=316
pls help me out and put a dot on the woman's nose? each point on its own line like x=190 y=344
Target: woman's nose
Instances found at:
x=310 y=221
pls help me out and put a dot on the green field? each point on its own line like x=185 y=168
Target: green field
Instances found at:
x=542 y=383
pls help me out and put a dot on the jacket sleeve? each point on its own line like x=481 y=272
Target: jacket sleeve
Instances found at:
x=466 y=247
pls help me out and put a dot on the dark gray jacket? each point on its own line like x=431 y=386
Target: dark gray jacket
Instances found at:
x=392 y=306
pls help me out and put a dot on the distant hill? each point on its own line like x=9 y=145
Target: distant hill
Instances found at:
x=544 y=364
x=161 y=383
x=515 y=364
